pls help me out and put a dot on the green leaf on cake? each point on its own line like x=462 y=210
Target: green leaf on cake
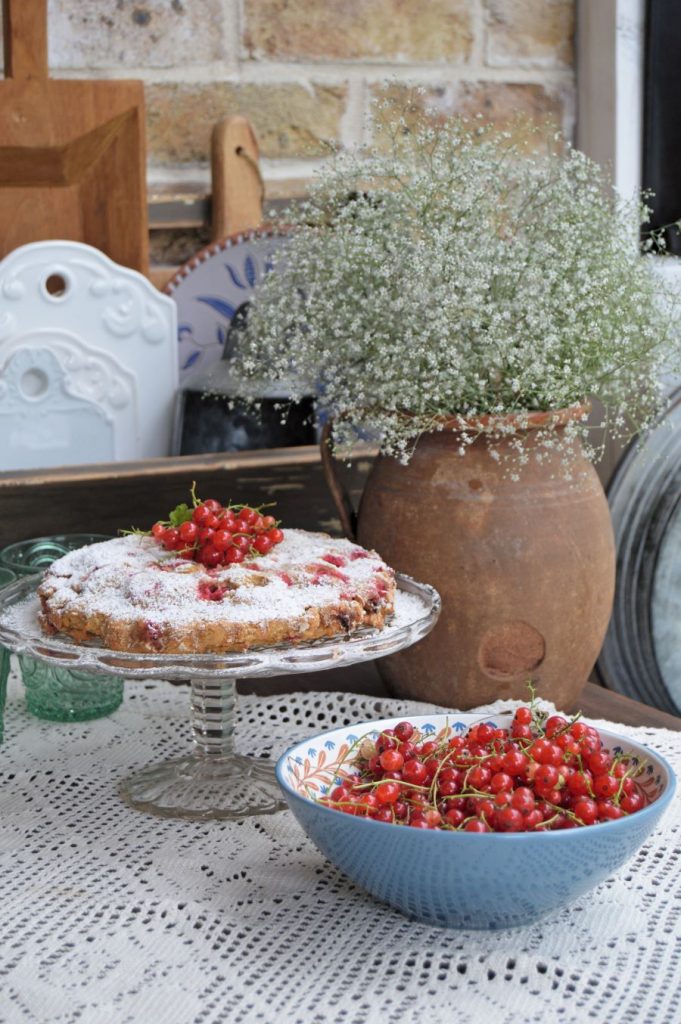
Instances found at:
x=181 y=514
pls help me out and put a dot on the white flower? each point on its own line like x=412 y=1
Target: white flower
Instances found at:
x=444 y=274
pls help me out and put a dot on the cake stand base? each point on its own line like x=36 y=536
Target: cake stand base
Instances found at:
x=201 y=788
x=213 y=780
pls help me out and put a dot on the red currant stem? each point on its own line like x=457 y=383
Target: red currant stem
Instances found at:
x=400 y=782
x=566 y=728
x=195 y=501
x=589 y=787
x=443 y=762
x=538 y=716
x=631 y=773
x=465 y=794
x=339 y=803
x=465 y=781
x=545 y=824
x=256 y=508
x=567 y=812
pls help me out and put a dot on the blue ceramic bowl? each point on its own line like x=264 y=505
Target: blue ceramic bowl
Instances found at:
x=462 y=879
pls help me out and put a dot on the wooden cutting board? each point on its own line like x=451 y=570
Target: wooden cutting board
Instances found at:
x=72 y=153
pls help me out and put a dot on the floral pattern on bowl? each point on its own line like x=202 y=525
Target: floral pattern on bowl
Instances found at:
x=326 y=761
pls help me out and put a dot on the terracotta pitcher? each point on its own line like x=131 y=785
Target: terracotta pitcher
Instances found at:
x=526 y=569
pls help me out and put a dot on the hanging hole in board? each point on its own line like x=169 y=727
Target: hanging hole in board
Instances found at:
x=56 y=285
x=34 y=383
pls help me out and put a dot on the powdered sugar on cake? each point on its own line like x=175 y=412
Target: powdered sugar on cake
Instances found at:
x=133 y=595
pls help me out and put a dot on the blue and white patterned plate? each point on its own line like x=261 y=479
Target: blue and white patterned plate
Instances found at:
x=212 y=288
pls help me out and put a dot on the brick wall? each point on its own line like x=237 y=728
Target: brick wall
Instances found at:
x=304 y=71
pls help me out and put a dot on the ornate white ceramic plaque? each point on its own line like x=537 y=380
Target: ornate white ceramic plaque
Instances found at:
x=88 y=359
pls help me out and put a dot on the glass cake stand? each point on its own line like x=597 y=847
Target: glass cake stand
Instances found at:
x=213 y=780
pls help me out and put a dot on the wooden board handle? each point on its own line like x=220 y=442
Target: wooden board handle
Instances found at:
x=24 y=24
x=238 y=189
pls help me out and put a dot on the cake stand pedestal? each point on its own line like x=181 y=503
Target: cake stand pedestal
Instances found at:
x=213 y=780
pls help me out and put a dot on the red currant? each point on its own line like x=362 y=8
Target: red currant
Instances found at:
x=555 y=724
x=188 y=532
x=476 y=825
x=391 y=760
x=510 y=820
x=523 y=800
x=170 y=538
x=500 y=781
x=262 y=544
x=404 y=731
x=605 y=786
x=222 y=539
x=200 y=514
x=486 y=779
x=415 y=772
x=631 y=802
x=234 y=555
x=387 y=792
x=586 y=810
x=210 y=556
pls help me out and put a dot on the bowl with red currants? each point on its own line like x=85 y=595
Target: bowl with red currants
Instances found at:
x=476 y=822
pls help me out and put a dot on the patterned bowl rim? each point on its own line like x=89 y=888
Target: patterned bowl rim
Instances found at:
x=655 y=808
x=262 y=233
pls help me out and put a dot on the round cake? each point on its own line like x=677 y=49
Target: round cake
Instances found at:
x=131 y=595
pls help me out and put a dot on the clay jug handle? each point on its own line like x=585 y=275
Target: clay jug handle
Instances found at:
x=341 y=498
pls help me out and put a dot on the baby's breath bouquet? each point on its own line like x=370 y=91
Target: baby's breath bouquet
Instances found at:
x=452 y=279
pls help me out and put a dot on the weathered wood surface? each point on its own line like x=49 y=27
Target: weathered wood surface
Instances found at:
x=106 y=498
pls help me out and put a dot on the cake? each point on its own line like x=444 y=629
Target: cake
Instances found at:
x=130 y=594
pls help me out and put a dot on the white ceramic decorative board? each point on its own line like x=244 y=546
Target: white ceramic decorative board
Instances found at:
x=212 y=288
x=88 y=362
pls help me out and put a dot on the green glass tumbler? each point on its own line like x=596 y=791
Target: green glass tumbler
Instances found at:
x=67 y=695
x=52 y=691
x=6 y=576
x=29 y=556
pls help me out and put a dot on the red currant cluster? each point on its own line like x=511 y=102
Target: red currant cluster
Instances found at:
x=216 y=534
x=538 y=775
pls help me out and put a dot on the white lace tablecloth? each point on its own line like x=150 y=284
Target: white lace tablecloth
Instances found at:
x=110 y=915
